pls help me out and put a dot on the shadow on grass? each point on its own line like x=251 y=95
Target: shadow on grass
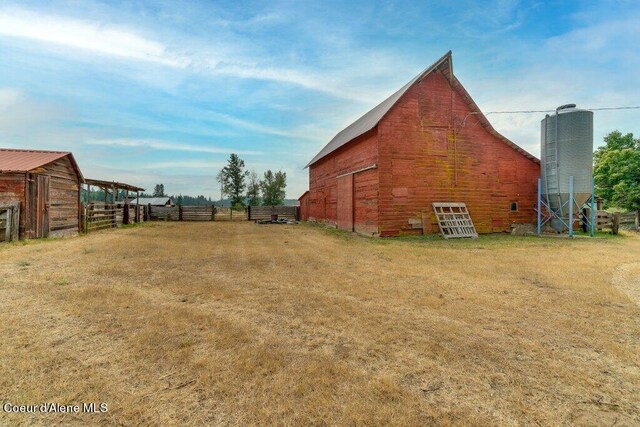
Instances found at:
x=484 y=241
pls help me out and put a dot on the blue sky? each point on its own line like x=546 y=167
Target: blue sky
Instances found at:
x=162 y=92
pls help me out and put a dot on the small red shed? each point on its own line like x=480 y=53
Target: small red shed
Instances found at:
x=426 y=143
x=46 y=187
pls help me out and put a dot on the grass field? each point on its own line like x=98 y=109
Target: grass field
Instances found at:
x=236 y=324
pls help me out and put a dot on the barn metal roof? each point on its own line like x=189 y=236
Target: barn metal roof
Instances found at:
x=21 y=161
x=371 y=119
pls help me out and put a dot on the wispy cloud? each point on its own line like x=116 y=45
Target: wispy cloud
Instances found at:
x=89 y=36
x=125 y=43
x=169 y=146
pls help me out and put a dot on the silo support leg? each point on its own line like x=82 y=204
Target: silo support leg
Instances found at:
x=539 y=206
x=571 y=202
x=593 y=208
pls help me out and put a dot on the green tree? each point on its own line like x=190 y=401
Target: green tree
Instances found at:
x=158 y=190
x=273 y=188
x=253 y=189
x=617 y=171
x=220 y=180
x=233 y=179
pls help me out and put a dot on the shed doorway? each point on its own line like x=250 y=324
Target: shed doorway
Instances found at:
x=39 y=203
x=9 y=221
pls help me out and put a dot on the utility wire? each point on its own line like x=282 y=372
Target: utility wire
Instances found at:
x=464 y=121
x=635 y=107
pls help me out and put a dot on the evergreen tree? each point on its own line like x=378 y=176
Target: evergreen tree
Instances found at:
x=158 y=190
x=233 y=176
x=273 y=188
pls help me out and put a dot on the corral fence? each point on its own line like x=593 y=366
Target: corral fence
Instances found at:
x=98 y=216
x=195 y=213
x=256 y=213
x=610 y=221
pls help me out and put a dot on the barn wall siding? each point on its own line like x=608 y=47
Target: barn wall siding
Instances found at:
x=12 y=189
x=304 y=206
x=323 y=186
x=426 y=155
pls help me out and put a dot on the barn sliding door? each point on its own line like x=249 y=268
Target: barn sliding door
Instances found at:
x=345 y=202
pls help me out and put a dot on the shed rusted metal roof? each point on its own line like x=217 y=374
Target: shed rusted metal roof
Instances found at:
x=109 y=184
x=21 y=161
x=371 y=119
x=153 y=201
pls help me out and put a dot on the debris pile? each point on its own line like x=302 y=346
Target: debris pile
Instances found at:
x=276 y=221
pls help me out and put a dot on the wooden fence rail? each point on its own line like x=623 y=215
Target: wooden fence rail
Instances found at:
x=255 y=213
x=604 y=220
x=98 y=216
x=213 y=213
x=187 y=213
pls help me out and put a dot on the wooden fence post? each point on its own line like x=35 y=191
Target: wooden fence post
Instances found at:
x=615 y=223
x=213 y=213
x=179 y=212
x=84 y=218
x=638 y=220
x=249 y=213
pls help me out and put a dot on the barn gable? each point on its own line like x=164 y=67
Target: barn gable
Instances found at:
x=371 y=119
x=434 y=146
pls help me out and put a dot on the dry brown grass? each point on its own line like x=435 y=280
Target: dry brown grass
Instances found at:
x=236 y=324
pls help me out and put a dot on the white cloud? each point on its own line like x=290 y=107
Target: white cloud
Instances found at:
x=20 y=115
x=103 y=39
x=185 y=164
x=169 y=146
x=89 y=36
x=9 y=97
x=302 y=78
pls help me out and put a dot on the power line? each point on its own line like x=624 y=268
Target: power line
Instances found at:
x=635 y=107
x=464 y=121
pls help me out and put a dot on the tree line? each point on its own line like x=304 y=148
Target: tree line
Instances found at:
x=245 y=187
x=242 y=187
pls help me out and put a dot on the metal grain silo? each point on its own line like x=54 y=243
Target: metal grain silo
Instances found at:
x=566 y=155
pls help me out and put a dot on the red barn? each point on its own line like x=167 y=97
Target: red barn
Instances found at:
x=426 y=143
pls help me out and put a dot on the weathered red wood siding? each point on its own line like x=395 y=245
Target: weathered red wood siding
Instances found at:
x=427 y=155
x=12 y=189
x=357 y=198
x=64 y=190
x=304 y=207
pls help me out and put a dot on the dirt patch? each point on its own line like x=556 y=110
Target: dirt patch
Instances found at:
x=627 y=279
